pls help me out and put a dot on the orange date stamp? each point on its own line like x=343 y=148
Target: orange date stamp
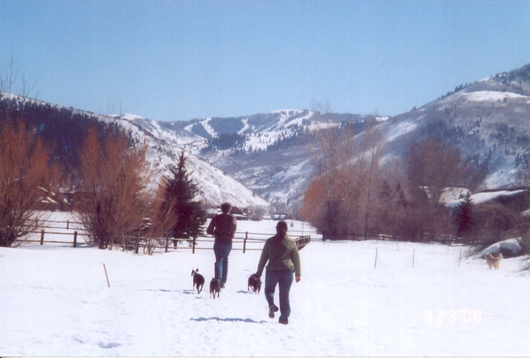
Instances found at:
x=453 y=316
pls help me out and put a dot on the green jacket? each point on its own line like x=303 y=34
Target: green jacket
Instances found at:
x=281 y=255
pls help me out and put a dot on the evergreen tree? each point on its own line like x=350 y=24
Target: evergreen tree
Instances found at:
x=464 y=217
x=386 y=193
x=182 y=190
x=401 y=199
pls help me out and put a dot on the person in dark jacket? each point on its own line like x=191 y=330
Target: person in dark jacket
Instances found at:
x=282 y=254
x=223 y=227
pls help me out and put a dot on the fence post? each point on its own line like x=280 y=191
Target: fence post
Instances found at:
x=42 y=237
x=245 y=242
x=67 y=224
x=75 y=239
x=167 y=242
x=193 y=246
x=106 y=275
x=375 y=265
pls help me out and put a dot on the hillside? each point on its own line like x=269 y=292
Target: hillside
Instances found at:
x=489 y=121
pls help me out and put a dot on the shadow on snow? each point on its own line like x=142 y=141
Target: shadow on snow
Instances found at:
x=246 y=320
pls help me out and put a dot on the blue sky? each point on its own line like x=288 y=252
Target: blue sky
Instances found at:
x=178 y=60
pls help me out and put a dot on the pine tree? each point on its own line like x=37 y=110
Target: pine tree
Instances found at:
x=464 y=217
x=183 y=190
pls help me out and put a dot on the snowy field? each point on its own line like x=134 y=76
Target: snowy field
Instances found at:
x=414 y=300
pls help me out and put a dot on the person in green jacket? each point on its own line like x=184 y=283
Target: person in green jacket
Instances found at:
x=282 y=254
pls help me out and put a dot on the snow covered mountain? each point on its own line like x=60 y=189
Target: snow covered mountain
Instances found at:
x=165 y=146
x=489 y=121
x=269 y=152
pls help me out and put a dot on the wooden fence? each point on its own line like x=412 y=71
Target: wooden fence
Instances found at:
x=74 y=234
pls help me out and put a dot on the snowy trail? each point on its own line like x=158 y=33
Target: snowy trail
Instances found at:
x=55 y=301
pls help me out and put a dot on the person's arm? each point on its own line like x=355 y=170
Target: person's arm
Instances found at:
x=233 y=226
x=295 y=256
x=263 y=259
x=210 y=229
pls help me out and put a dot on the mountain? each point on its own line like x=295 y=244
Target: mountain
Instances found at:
x=269 y=152
x=489 y=121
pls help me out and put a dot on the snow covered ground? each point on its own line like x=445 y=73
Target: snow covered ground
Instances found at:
x=414 y=300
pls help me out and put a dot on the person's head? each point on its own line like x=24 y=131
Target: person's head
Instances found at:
x=281 y=228
x=226 y=207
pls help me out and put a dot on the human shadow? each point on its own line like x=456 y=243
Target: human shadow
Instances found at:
x=247 y=292
x=246 y=320
x=159 y=290
x=185 y=292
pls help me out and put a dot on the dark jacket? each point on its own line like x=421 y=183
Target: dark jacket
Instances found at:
x=223 y=226
x=282 y=254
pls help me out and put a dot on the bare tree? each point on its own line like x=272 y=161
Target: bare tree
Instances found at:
x=315 y=203
x=342 y=200
x=435 y=167
x=162 y=220
x=432 y=168
x=12 y=83
x=113 y=201
x=24 y=171
x=370 y=179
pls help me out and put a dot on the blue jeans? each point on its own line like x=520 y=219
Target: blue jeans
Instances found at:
x=284 y=280
x=222 y=250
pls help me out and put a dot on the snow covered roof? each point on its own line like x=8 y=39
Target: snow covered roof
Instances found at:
x=481 y=198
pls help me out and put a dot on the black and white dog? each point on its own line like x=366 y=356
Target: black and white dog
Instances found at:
x=215 y=287
x=198 y=280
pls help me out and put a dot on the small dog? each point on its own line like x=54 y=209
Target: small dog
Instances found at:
x=198 y=280
x=254 y=283
x=493 y=262
x=215 y=287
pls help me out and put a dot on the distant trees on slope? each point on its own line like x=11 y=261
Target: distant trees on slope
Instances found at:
x=63 y=130
x=352 y=196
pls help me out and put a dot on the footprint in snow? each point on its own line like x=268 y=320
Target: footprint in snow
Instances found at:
x=108 y=345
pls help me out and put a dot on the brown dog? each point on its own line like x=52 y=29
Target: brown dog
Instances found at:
x=493 y=262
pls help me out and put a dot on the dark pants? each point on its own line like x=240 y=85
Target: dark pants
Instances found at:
x=222 y=250
x=284 y=280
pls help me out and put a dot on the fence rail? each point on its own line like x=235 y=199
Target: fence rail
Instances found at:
x=243 y=241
